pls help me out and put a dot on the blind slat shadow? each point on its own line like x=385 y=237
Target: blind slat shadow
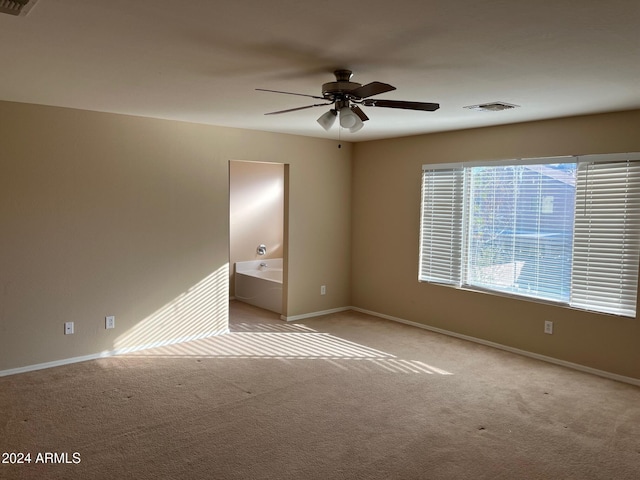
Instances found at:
x=291 y=342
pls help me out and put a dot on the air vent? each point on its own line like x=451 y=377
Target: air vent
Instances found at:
x=492 y=107
x=16 y=7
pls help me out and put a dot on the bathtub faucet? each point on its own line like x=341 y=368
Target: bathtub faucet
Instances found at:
x=263 y=264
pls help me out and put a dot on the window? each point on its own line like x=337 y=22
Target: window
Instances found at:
x=564 y=230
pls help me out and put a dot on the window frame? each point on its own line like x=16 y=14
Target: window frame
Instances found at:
x=460 y=280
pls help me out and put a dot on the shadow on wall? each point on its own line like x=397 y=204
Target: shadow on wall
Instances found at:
x=201 y=311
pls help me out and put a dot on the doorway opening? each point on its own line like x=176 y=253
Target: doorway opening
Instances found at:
x=258 y=206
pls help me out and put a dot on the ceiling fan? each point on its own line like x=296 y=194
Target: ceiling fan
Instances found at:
x=346 y=97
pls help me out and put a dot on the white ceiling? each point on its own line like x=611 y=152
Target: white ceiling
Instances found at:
x=201 y=60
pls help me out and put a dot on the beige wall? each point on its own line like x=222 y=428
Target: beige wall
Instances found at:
x=106 y=214
x=386 y=197
x=256 y=212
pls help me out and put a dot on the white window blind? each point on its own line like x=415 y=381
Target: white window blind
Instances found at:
x=441 y=231
x=565 y=230
x=607 y=237
x=520 y=223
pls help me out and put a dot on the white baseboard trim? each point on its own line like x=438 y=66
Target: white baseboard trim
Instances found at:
x=314 y=314
x=544 y=358
x=107 y=353
x=173 y=341
x=55 y=363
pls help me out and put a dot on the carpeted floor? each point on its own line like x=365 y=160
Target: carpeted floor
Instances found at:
x=346 y=396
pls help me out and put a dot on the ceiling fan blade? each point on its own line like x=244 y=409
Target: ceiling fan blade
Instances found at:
x=358 y=111
x=290 y=93
x=371 y=89
x=298 y=108
x=427 y=107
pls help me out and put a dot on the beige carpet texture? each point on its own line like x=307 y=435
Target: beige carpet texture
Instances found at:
x=344 y=396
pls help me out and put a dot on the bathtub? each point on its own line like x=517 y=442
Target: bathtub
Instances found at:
x=260 y=285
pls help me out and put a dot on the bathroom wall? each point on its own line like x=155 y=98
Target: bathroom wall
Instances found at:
x=256 y=212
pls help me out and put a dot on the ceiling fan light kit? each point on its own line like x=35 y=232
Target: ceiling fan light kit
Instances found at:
x=345 y=97
x=327 y=119
x=347 y=118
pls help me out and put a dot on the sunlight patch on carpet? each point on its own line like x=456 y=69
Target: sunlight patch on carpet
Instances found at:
x=290 y=342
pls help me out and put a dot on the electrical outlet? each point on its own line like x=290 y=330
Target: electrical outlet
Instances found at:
x=68 y=328
x=110 y=322
x=323 y=289
x=548 y=327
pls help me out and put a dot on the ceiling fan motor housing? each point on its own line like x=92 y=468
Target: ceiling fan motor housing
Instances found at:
x=336 y=88
x=341 y=86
